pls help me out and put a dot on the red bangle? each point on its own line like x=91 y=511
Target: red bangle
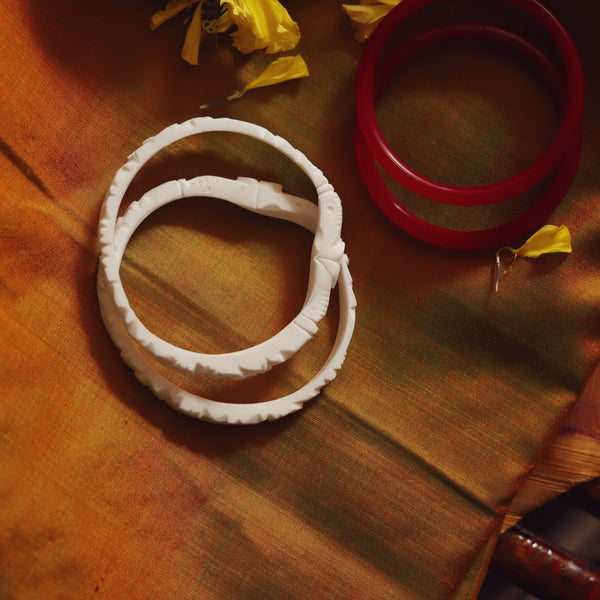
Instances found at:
x=456 y=239
x=365 y=106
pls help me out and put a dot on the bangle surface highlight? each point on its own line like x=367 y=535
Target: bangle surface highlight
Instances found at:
x=281 y=206
x=326 y=254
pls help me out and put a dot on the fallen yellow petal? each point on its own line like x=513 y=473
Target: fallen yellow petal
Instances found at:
x=173 y=8
x=367 y=15
x=193 y=36
x=282 y=69
x=548 y=239
x=262 y=24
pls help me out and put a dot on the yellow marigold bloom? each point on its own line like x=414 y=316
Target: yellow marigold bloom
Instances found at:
x=367 y=15
x=260 y=24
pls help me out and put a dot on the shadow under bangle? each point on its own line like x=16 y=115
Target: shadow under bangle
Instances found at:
x=283 y=206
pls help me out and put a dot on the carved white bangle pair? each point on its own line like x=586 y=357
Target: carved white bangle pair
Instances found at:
x=328 y=264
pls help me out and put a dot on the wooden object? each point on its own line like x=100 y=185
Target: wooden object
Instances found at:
x=545 y=570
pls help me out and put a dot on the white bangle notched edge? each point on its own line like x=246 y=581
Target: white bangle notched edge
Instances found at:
x=281 y=206
x=326 y=255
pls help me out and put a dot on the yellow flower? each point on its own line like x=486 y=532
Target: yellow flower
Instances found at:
x=262 y=24
x=259 y=24
x=367 y=15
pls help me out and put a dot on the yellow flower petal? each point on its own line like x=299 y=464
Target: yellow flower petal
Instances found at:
x=173 y=8
x=282 y=69
x=548 y=239
x=262 y=24
x=191 y=46
x=367 y=15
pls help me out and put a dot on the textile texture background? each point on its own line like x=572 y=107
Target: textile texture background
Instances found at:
x=393 y=481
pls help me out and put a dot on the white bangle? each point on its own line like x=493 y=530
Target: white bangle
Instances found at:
x=282 y=206
x=326 y=254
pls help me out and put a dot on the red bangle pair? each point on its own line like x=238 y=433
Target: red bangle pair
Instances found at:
x=562 y=156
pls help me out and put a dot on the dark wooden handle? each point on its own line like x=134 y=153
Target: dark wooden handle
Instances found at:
x=544 y=570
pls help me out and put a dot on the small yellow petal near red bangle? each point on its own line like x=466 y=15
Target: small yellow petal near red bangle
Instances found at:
x=547 y=240
x=367 y=15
